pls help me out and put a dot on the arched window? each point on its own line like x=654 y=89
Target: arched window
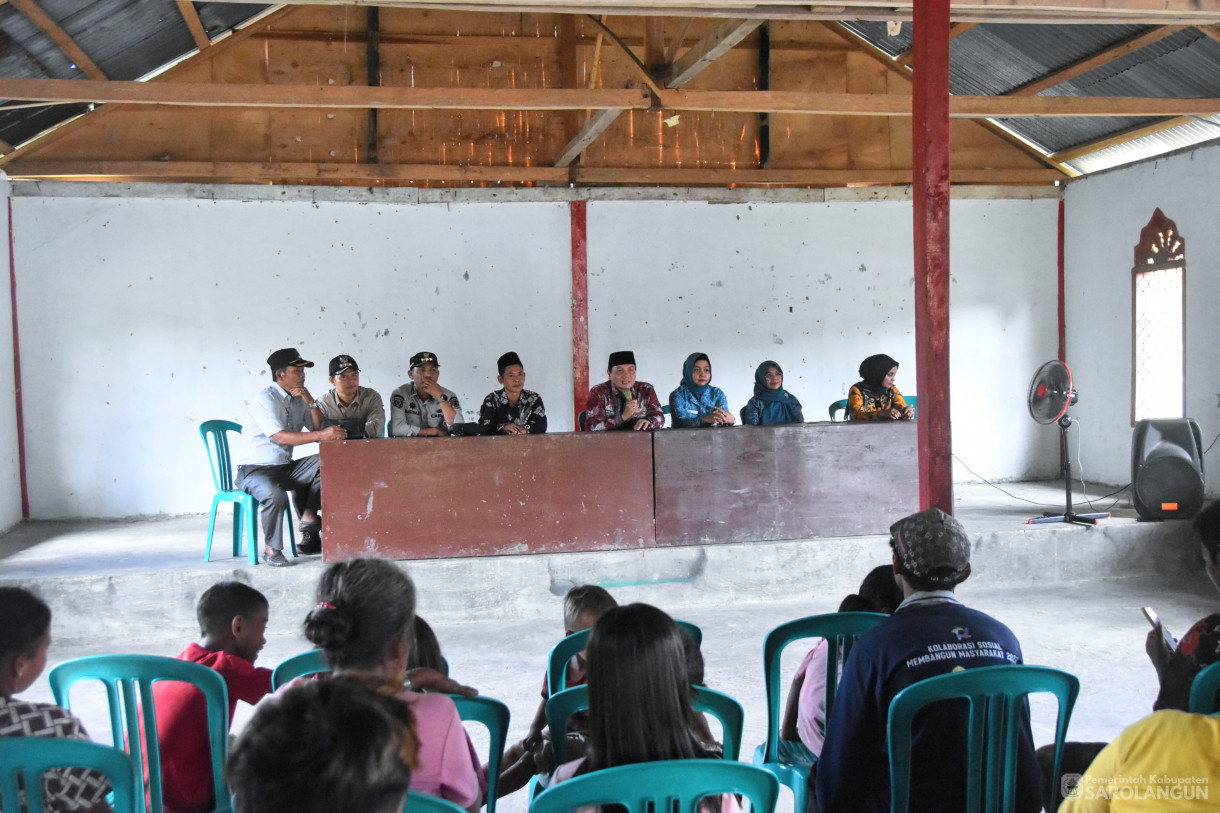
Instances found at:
x=1158 y=297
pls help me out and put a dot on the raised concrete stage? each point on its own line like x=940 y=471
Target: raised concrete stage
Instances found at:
x=1071 y=594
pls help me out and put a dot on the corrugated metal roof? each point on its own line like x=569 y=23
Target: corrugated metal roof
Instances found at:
x=1188 y=135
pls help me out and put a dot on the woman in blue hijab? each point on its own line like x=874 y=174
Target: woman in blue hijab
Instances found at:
x=771 y=402
x=696 y=402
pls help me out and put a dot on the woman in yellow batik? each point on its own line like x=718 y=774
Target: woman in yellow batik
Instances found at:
x=874 y=397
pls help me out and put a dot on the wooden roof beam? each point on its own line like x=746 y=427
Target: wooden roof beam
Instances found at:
x=191 y=17
x=588 y=134
x=718 y=42
x=1104 y=57
x=34 y=13
x=1072 y=153
x=955 y=30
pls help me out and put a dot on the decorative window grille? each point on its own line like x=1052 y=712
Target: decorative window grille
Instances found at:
x=1158 y=319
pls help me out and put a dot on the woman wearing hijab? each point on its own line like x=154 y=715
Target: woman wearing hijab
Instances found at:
x=696 y=402
x=874 y=397
x=771 y=402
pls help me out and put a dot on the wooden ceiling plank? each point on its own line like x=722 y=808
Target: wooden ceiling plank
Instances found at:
x=718 y=42
x=955 y=30
x=1072 y=153
x=640 y=69
x=588 y=134
x=191 y=17
x=672 y=51
x=1212 y=31
x=1104 y=57
x=34 y=13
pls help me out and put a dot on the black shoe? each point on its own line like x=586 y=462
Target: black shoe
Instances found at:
x=311 y=540
x=276 y=559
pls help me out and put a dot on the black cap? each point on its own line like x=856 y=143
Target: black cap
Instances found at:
x=508 y=360
x=340 y=363
x=424 y=358
x=620 y=357
x=288 y=357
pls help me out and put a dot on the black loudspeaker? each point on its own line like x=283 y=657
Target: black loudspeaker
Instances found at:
x=1167 y=468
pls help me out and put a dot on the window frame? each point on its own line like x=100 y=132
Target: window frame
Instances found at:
x=1151 y=243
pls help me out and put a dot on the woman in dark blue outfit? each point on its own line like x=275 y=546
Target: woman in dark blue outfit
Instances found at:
x=771 y=402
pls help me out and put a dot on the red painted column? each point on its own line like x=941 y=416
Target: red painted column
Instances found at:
x=930 y=148
x=12 y=279
x=580 y=309
x=1062 y=297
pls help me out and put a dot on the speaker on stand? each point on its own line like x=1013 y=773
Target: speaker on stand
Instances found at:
x=1167 y=468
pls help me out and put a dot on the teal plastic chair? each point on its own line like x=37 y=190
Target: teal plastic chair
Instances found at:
x=562 y=652
x=841 y=631
x=306 y=663
x=838 y=406
x=580 y=420
x=423 y=803
x=494 y=715
x=997 y=698
x=656 y=787
x=29 y=757
x=1203 y=691
x=129 y=683
x=562 y=705
x=215 y=436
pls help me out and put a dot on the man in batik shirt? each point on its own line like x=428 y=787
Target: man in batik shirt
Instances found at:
x=512 y=409
x=622 y=402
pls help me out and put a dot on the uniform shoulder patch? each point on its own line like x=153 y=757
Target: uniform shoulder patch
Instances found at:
x=397 y=402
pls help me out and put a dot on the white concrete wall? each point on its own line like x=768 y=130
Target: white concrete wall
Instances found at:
x=817 y=288
x=10 y=466
x=142 y=317
x=1104 y=216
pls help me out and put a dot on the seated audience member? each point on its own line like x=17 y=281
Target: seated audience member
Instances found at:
x=325 y=746
x=874 y=397
x=696 y=402
x=640 y=697
x=426 y=649
x=804 y=722
x=422 y=407
x=582 y=606
x=1168 y=762
x=512 y=409
x=25 y=634
x=285 y=415
x=233 y=624
x=622 y=402
x=931 y=633
x=771 y=402
x=348 y=399
x=364 y=624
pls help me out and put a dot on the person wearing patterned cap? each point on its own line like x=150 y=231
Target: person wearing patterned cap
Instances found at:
x=285 y=415
x=931 y=633
x=512 y=409
x=622 y=402
x=421 y=407
x=347 y=399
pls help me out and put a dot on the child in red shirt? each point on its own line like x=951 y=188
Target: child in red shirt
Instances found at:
x=233 y=623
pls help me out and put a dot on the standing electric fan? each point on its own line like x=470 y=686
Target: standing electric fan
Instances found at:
x=1050 y=395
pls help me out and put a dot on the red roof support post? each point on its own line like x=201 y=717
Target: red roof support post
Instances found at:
x=930 y=143
x=580 y=309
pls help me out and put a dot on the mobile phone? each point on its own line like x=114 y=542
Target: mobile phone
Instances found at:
x=1154 y=619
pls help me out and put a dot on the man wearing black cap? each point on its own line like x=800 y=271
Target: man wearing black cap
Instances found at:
x=931 y=633
x=622 y=402
x=512 y=409
x=350 y=400
x=422 y=407
x=285 y=415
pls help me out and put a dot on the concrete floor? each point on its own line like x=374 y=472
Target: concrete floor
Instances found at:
x=1072 y=595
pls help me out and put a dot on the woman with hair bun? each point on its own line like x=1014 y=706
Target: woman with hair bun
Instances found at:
x=364 y=624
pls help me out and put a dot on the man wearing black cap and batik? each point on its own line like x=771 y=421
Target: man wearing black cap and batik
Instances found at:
x=350 y=400
x=285 y=415
x=512 y=409
x=422 y=407
x=931 y=633
x=622 y=402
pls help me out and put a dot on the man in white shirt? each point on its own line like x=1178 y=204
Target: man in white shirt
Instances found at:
x=285 y=415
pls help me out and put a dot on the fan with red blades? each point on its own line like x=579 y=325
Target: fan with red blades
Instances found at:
x=1050 y=394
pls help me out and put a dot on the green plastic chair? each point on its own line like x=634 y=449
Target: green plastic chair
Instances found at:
x=997 y=698
x=580 y=420
x=423 y=803
x=29 y=757
x=129 y=680
x=562 y=705
x=1203 y=691
x=215 y=436
x=655 y=787
x=841 y=631
x=838 y=406
x=562 y=652
x=306 y=663
x=494 y=715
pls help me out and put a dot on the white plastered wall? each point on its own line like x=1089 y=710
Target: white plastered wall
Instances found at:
x=10 y=467
x=142 y=317
x=1104 y=215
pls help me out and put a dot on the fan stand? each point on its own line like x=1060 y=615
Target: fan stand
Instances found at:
x=1068 y=516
